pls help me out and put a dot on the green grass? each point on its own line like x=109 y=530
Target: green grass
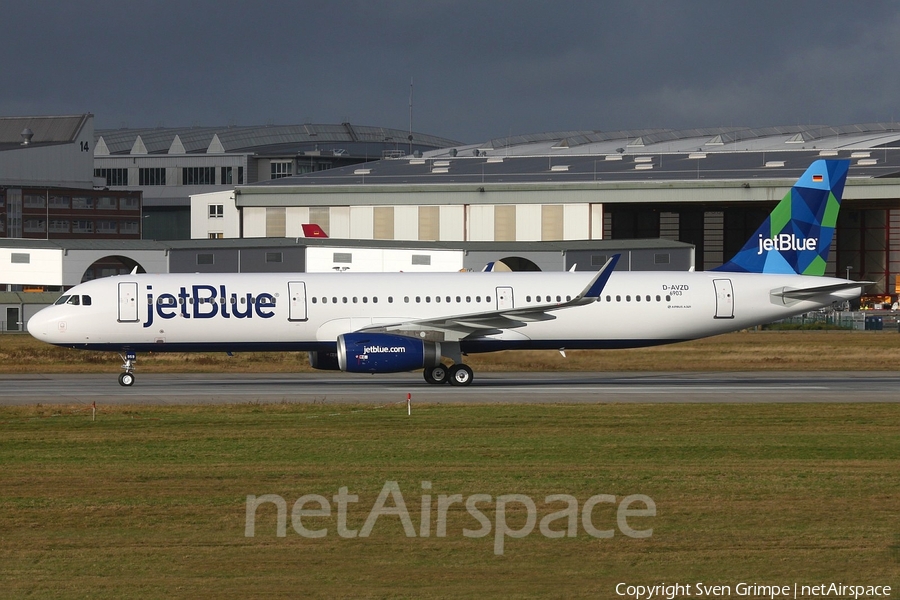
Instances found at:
x=150 y=501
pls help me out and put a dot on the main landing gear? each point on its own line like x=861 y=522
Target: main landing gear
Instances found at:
x=127 y=377
x=458 y=374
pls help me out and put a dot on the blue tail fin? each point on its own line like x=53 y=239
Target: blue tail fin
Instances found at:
x=796 y=236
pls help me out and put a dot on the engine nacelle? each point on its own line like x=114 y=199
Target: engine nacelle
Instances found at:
x=385 y=353
x=324 y=361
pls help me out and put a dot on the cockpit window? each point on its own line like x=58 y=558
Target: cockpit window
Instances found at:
x=62 y=300
x=74 y=300
x=86 y=300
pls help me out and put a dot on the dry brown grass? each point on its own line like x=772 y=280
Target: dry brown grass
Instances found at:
x=742 y=351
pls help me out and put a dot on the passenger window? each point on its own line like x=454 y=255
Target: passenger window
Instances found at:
x=568 y=298
x=324 y=300
x=558 y=299
x=637 y=298
x=618 y=298
x=334 y=299
x=468 y=298
x=406 y=298
x=657 y=298
x=609 y=298
x=668 y=298
x=354 y=299
x=448 y=298
x=418 y=298
x=437 y=298
x=390 y=299
x=345 y=299
x=627 y=298
x=527 y=298
x=458 y=299
x=428 y=299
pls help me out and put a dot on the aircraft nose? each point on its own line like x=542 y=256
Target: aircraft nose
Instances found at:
x=37 y=326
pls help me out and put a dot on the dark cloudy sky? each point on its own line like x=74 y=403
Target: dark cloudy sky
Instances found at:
x=481 y=69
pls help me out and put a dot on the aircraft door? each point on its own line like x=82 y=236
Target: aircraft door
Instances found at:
x=297 y=299
x=724 y=298
x=504 y=298
x=128 y=306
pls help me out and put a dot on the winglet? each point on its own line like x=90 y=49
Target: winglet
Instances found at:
x=595 y=287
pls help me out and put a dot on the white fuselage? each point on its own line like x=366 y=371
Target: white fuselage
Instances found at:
x=306 y=311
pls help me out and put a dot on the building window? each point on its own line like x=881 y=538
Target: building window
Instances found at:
x=598 y=260
x=226 y=176
x=205 y=259
x=107 y=203
x=661 y=259
x=198 y=176
x=107 y=227
x=35 y=225
x=215 y=235
x=82 y=227
x=216 y=211
x=34 y=201
x=281 y=168
x=20 y=258
x=61 y=202
x=154 y=176
x=240 y=180
x=59 y=226
x=129 y=204
x=82 y=203
x=421 y=259
x=129 y=228
x=343 y=257
x=114 y=177
x=274 y=257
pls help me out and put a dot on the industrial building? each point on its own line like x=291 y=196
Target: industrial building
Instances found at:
x=47 y=190
x=710 y=188
x=169 y=164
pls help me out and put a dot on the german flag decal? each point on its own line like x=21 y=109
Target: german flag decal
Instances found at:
x=817 y=178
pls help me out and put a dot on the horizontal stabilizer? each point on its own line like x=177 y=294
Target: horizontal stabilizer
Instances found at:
x=840 y=291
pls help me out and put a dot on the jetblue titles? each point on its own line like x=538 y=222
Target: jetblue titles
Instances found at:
x=785 y=242
x=206 y=302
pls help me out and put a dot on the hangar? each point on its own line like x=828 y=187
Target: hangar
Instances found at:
x=710 y=188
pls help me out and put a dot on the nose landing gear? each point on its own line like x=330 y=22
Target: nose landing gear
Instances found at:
x=126 y=378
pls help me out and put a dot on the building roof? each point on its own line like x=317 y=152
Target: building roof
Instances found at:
x=631 y=156
x=45 y=130
x=355 y=140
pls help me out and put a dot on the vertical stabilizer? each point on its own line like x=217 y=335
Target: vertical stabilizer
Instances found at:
x=796 y=236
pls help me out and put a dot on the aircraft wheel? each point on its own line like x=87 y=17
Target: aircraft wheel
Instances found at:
x=460 y=374
x=126 y=379
x=436 y=375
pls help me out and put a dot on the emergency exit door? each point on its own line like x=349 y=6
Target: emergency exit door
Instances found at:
x=504 y=298
x=297 y=299
x=128 y=306
x=724 y=298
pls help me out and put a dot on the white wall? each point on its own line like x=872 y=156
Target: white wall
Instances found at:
x=378 y=260
x=202 y=225
x=44 y=267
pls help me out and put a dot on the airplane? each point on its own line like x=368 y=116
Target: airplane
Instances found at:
x=396 y=322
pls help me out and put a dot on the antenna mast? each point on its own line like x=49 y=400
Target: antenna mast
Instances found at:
x=410 y=138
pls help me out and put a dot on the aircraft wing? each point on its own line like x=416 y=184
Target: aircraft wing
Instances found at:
x=494 y=321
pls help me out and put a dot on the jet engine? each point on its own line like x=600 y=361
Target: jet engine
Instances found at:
x=324 y=361
x=385 y=353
